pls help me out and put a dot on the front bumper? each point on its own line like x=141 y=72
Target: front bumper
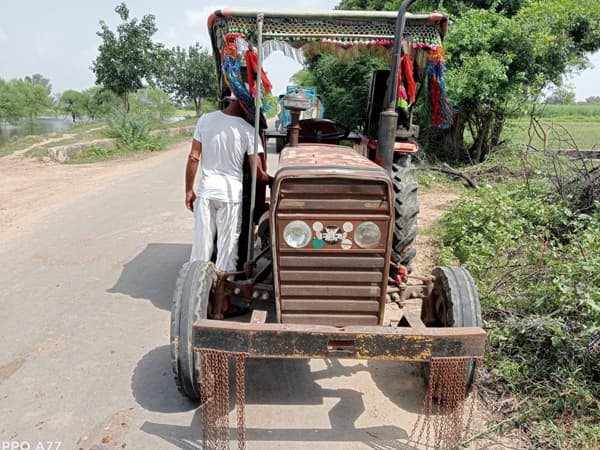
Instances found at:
x=268 y=340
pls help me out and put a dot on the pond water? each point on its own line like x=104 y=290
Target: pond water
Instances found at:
x=40 y=125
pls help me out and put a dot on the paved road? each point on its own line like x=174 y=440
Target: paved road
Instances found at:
x=84 y=361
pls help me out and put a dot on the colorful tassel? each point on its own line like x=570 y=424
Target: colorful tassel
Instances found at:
x=233 y=80
x=441 y=111
x=252 y=69
x=408 y=71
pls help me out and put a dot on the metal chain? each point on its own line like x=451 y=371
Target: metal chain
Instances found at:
x=240 y=390
x=448 y=387
x=214 y=387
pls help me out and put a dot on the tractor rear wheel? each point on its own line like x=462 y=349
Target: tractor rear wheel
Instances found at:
x=190 y=303
x=406 y=208
x=454 y=302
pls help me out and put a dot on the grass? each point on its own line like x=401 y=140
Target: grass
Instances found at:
x=565 y=111
x=22 y=143
x=96 y=154
x=83 y=132
x=561 y=132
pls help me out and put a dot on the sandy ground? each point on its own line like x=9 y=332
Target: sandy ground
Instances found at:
x=30 y=189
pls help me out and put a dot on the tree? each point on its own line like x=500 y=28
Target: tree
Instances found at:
x=99 y=102
x=9 y=107
x=562 y=95
x=190 y=75
x=303 y=78
x=344 y=87
x=30 y=99
x=72 y=102
x=153 y=101
x=38 y=79
x=128 y=58
x=500 y=55
x=593 y=100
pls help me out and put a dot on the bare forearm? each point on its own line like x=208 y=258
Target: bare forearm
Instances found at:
x=261 y=174
x=192 y=165
x=190 y=173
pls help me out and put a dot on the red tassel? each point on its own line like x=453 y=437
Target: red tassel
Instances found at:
x=401 y=92
x=250 y=73
x=252 y=69
x=408 y=70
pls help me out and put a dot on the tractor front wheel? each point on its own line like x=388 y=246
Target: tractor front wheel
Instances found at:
x=191 y=298
x=454 y=302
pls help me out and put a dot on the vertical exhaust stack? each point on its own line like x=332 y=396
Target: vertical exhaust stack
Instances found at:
x=389 y=117
x=296 y=103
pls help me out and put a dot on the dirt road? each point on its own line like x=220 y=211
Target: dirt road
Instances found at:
x=89 y=257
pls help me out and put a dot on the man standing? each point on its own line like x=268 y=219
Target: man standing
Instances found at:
x=221 y=140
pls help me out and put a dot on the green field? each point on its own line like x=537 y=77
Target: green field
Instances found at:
x=562 y=126
x=564 y=111
x=582 y=132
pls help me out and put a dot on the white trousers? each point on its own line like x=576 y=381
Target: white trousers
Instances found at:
x=224 y=219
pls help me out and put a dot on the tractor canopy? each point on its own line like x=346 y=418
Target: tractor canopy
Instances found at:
x=301 y=34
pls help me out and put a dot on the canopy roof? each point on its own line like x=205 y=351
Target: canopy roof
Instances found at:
x=297 y=32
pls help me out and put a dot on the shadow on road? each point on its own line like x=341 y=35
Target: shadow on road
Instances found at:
x=401 y=382
x=153 y=386
x=185 y=438
x=280 y=382
x=152 y=274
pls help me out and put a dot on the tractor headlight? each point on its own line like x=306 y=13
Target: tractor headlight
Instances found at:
x=367 y=235
x=297 y=234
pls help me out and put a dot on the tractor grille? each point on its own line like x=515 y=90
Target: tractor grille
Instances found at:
x=334 y=284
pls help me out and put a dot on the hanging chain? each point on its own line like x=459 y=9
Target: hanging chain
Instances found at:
x=447 y=392
x=214 y=388
x=445 y=406
x=240 y=390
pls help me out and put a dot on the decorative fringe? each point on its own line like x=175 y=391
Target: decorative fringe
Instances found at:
x=241 y=44
x=441 y=111
x=348 y=52
x=271 y=46
x=233 y=80
x=235 y=51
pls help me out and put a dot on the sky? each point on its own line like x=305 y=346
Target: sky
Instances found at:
x=58 y=38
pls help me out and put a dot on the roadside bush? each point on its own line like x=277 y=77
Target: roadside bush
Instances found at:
x=132 y=132
x=537 y=265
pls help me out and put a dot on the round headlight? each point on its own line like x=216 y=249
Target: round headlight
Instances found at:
x=297 y=234
x=367 y=235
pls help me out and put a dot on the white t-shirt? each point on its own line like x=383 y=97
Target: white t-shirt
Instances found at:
x=225 y=139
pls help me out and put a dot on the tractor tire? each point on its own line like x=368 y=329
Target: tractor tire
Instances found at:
x=190 y=303
x=454 y=302
x=406 y=208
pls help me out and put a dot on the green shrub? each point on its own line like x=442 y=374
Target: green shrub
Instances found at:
x=537 y=265
x=132 y=132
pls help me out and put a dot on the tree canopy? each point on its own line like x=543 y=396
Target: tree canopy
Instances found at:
x=190 y=75
x=73 y=103
x=129 y=57
x=500 y=54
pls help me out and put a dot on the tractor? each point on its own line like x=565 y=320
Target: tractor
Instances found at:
x=335 y=241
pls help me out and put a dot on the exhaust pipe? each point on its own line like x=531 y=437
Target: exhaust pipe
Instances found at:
x=388 y=119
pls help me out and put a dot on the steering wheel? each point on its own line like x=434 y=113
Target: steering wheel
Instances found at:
x=322 y=130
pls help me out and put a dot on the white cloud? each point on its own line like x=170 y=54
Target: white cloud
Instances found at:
x=3 y=36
